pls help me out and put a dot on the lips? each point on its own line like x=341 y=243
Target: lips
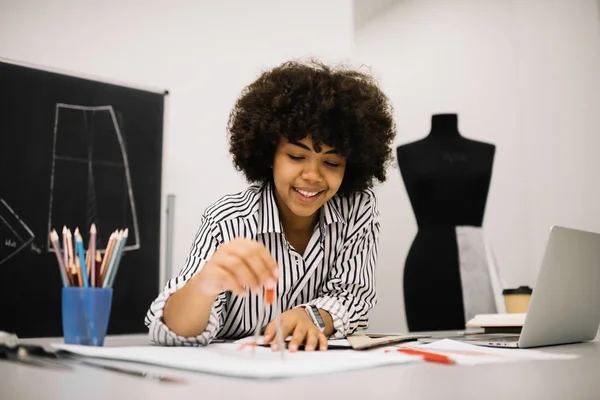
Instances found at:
x=307 y=195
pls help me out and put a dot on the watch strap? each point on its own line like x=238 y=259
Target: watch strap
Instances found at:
x=315 y=316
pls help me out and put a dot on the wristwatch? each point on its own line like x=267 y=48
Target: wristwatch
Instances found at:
x=315 y=316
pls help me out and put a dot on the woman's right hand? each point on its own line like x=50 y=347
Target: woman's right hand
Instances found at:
x=236 y=266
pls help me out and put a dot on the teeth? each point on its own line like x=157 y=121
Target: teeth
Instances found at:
x=307 y=194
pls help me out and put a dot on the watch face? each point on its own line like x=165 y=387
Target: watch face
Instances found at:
x=318 y=316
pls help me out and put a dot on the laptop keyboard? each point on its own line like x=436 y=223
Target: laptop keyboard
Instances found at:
x=506 y=339
x=492 y=338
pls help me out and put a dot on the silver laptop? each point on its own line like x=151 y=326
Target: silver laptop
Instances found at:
x=565 y=304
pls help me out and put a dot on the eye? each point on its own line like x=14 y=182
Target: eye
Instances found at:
x=297 y=158
x=332 y=164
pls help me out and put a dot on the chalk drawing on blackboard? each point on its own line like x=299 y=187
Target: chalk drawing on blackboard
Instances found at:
x=90 y=180
x=15 y=235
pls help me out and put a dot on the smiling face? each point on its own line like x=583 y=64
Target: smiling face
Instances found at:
x=305 y=179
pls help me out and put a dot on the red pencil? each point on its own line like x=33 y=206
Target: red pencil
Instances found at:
x=97 y=266
x=427 y=356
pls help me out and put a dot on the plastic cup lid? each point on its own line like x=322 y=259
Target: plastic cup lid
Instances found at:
x=519 y=290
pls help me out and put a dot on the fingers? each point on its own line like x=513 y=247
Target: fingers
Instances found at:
x=243 y=275
x=312 y=340
x=297 y=338
x=241 y=264
x=323 y=345
x=287 y=327
x=315 y=340
x=269 y=333
x=216 y=280
x=258 y=259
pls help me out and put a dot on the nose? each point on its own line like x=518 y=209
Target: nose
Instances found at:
x=311 y=172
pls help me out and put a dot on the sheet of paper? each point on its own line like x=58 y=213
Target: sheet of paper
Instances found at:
x=227 y=359
x=469 y=354
x=337 y=343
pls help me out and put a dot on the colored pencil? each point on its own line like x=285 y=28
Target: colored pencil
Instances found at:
x=79 y=243
x=97 y=266
x=92 y=257
x=81 y=267
x=426 y=355
x=61 y=265
x=107 y=255
x=118 y=256
x=113 y=258
x=66 y=255
x=78 y=271
x=70 y=250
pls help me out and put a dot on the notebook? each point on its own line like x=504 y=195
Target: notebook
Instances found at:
x=373 y=340
x=497 y=320
x=498 y=323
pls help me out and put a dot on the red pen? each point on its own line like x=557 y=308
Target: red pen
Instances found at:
x=427 y=356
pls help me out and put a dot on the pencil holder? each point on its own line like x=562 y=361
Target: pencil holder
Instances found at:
x=85 y=314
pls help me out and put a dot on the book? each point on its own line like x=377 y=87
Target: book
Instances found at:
x=372 y=340
x=498 y=323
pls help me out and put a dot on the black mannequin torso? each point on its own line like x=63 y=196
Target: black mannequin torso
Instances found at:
x=447 y=178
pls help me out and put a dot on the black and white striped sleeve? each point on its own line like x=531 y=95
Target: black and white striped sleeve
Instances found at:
x=349 y=292
x=204 y=246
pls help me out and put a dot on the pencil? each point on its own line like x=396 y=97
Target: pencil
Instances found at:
x=118 y=255
x=106 y=259
x=61 y=265
x=87 y=265
x=66 y=255
x=76 y=279
x=92 y=259
x=74 y=265
x=79 y=243
x=113 y=258
x=427 y=356
x=70 y=248
x=77 y=266
x=97 y=265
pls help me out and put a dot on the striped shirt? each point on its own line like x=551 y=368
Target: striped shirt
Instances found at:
x=336 y=273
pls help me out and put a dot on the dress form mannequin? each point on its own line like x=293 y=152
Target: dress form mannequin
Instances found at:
x=447 y=178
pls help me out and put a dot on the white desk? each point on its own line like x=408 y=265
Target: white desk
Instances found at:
x=572 y=379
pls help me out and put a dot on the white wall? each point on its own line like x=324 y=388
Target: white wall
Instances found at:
x=522 y=74
x=203 y=52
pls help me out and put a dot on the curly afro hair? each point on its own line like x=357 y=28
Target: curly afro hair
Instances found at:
x=342 y=108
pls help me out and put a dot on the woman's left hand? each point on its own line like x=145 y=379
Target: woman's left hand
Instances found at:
x=297 y=323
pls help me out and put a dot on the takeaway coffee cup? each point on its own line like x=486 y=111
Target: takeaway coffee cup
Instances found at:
x=517 y=300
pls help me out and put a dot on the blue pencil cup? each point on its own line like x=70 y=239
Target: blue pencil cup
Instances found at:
x=85 y=314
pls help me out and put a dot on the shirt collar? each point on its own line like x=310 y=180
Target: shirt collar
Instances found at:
x=331 y=212
x=268 y=213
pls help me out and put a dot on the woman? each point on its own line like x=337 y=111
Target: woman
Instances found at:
x=311 y=139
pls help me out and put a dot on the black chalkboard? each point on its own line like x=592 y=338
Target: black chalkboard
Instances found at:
x=75 y=151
